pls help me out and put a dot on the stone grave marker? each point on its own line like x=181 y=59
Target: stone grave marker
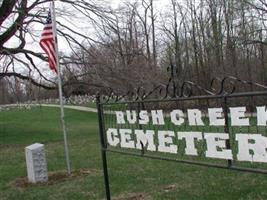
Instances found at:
x=36 y=163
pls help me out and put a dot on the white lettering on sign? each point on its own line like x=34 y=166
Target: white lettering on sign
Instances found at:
x=147 y=138
x=251 y=147
x=166 y=142
x=215 y=141
x=216 y=117
x=251 y=142
x=157 y=117
x=177 y=117
x=131 y=116
x=126 y=138
x=261 y=116
x=112 y=134
x=238 y=116
x=120 y=117
x=190 y=141
x=144 y=118
x=194 y=117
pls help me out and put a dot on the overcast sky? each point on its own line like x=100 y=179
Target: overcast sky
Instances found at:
x=74 y=22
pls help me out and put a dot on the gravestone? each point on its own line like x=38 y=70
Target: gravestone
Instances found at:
x=36 y=163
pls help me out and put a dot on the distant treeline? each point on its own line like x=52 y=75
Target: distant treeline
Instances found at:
x=141 y=45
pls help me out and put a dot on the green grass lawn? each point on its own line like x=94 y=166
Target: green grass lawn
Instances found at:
x=130 y=177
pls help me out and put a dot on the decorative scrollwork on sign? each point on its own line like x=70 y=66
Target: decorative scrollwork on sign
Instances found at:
x=228 y=85
x=159 y=91
x=223 y=86
x=190 y=85
x=174 y=89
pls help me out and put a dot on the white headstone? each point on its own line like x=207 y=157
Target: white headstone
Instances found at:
x=36 y=163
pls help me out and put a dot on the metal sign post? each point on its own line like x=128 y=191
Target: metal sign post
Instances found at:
x=103 y=146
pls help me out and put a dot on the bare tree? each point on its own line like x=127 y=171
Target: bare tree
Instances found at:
x=18 y=20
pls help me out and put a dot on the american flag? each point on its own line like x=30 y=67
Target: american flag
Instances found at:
x=47 y=42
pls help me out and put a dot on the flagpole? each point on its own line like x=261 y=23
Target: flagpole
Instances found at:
x=60 y=90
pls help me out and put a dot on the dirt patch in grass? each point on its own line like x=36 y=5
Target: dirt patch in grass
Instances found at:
x=169 y=188
x=133 y=196
x=54 y=178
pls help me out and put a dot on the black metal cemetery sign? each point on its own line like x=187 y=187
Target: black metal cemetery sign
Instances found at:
x=223 y=127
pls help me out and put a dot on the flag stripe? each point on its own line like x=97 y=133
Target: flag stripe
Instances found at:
x=51 y=59
x=50 y=52
x=46 y=32
x=47 y=37
x=47 y=43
